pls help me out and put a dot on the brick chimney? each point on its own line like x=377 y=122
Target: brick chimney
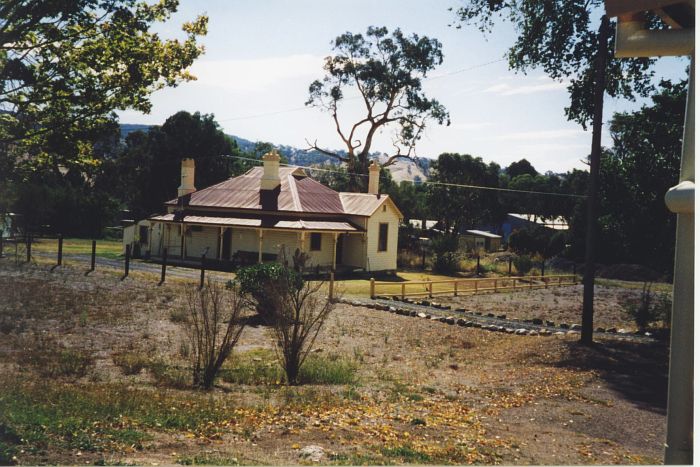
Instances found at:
x=186 y=178
x=373 y=185
x=271 y=171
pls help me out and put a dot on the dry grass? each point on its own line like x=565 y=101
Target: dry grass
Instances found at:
x=419 y=391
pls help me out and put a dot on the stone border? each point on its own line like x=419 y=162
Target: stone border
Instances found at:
x=435 y=311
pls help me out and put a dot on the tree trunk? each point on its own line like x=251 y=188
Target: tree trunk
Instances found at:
x=592 y=220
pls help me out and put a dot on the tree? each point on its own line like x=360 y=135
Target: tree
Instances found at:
x=298 y=318
x=560 y=37
x=66 y=66
x=458 y=207
x=635 y=175
x=387 y=71
x=147 y=172
x=521 y=167
x=213 y=329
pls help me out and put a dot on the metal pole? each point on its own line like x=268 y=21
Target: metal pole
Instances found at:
x=679 y=433
x=92 y=255
x=598 y=95
x=542 y=268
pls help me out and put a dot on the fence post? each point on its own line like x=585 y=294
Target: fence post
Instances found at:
x=93 y=254
x=403 y=290
x=495 y=285
x=430 y=289
x=542 y=268
x=127 y=258
x=2 y=232
x=371 y=288
x=59 y=262
x=455 y=288
x=510 y=265
x=478 y=264
x=29 y=247
x=330 y=286
x=476 y=286
x=201 y=271
x=162 y=266
x=532 y=281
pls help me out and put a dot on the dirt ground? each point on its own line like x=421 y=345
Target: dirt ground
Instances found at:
x=425 y=392
x=558 y=304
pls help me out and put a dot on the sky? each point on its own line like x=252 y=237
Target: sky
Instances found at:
x=261 y=56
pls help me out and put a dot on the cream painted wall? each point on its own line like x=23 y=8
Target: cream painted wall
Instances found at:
x=382 y=260
x=198 y=241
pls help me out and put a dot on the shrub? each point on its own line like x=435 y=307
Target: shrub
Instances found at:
x=213 y=329
x=260 y=280
x=650 y=307
x=523 y=264
x=444 y=244
x=446 y=263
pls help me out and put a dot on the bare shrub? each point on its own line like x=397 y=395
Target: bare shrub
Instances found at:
x=131 y=363
x=298 y=317
x=213 y=328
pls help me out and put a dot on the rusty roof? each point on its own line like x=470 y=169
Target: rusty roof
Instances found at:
x=297 y=193
x=266 y=222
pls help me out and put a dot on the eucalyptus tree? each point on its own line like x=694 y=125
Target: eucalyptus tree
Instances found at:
x=387 y=70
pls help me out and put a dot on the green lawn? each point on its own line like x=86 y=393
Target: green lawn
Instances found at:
x=105 y=248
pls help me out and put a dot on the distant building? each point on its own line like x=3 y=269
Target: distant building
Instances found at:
x=479 y=240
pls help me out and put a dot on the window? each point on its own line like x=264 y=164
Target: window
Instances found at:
x=315 y=241
x=383 y=237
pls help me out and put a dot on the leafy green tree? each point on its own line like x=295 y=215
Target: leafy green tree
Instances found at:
x=560 y=37
x=147 y=172
x=635 y=174
x=521 y=167
x=457 y=207
x=66 y=66
x=387 y=71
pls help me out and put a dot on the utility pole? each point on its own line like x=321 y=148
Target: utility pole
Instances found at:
x=592 y=220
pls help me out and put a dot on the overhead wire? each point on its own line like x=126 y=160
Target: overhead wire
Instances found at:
x=426 y=182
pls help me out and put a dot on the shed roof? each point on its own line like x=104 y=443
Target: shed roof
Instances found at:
x=261 y=222
x=482 y=233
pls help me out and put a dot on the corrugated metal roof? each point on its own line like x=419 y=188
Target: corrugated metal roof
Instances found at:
x=266 y=222
x=297 y=193
x=482 y=233
x=361 y=204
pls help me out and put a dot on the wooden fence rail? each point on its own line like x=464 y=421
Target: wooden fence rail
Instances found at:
x=457 y=287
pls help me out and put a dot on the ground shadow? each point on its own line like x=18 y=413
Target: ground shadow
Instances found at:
x=637 y=371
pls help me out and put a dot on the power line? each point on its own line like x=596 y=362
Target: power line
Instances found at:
x=456 y=185
x=297 y=109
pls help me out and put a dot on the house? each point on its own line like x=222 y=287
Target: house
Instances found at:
x=269 y=209
x=476 y=240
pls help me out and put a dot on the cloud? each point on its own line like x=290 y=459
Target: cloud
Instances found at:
x=505 y=89
x=257 y=74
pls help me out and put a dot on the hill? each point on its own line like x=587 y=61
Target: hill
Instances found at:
x=402 y=170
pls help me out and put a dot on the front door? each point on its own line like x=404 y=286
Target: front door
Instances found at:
x=339 y=251
x=226 y=247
